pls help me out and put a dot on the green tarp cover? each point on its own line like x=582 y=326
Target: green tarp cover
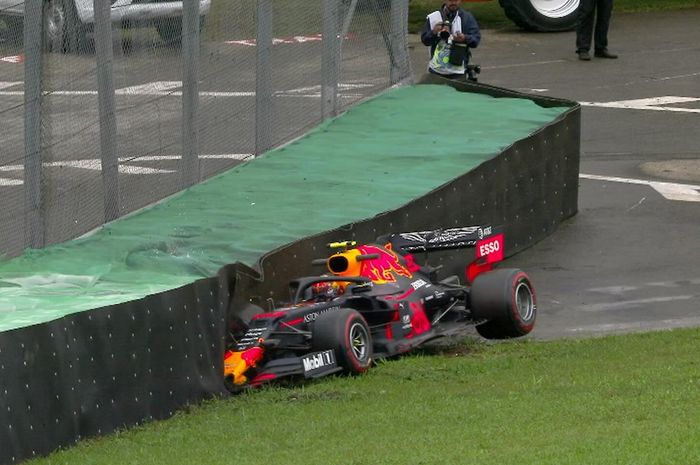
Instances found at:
x=378 y=156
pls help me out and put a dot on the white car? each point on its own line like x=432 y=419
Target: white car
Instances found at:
x=68 y=22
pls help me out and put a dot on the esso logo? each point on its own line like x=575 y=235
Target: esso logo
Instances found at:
x=489 y=248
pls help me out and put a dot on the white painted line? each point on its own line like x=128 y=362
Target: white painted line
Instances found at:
x=7 y=84
x=678 y=76
x=613 y=179
x=276 y=41
x=95 y=165
x=644 y=102
x=671 y=109
x=150 y=88
x=10 y=182
x=215 y=94
x=605 y=306
x=78 y=93
x=671 y=191
x=127 y=165
x=622 y=289
x=283 y=40
x=222 y=156
x=614 y=290
x=167 y=88
x=681 y=192
x=653 y=104
x=128 y=169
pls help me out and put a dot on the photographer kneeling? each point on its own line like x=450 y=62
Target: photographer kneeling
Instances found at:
x=450 y=32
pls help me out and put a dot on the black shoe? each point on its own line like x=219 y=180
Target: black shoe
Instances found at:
x=584 y=55
x=605 y=54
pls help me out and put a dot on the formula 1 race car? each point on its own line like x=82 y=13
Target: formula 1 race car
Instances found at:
x=376 y=301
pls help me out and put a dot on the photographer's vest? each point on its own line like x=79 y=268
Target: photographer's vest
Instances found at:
x=440 y=61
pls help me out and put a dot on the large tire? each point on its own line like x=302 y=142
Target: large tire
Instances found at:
x=75 y=37
x=346 y=332
x=542 y=15
x=63 y=30
x=54 y=18
x=169 y=30
x=506 y=300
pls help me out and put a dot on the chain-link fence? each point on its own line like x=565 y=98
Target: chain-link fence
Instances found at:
x=106 y=107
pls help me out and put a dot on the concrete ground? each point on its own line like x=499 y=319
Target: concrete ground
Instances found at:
x=630 y=259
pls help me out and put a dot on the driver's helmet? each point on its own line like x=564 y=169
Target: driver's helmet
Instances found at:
x=327 y=290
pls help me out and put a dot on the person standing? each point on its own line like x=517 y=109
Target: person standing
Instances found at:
x=592 y=12
x=450 y=32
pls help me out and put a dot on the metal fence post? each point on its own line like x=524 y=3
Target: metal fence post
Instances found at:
x=34 y=235
x=190 y=93
x=400 y=63
x=330 y=63
x=348 y=20
x=263 y=78
x=105 y=99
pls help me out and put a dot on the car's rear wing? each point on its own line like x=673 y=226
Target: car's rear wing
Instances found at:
x=439 y=239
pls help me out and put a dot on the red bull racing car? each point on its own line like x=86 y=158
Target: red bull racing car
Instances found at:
x=375 y=301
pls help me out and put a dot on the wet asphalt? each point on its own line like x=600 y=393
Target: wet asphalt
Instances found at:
x=630 y=259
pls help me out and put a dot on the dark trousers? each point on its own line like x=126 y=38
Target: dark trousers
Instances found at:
x=593 y=12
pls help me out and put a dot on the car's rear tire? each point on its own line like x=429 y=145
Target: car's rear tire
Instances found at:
x=506 y=299
x=542 y=15
x=347 y=333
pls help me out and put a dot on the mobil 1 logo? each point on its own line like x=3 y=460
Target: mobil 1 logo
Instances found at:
x=319 y=363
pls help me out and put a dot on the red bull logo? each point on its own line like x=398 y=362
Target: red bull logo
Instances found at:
x=383 y=269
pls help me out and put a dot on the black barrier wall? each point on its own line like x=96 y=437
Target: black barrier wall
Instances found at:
x=94 y=372
x=97 y=371
x=526 y=191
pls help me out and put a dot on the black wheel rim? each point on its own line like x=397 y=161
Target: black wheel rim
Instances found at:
x=359 y=341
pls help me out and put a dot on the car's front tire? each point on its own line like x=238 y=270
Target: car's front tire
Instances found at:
x=347 y=333
x=506 y=299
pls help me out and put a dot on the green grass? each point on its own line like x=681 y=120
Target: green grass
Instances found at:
x=631 y=399
x=490 y=15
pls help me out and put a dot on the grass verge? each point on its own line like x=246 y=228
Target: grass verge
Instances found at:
x=631 y=399
x=490 y=15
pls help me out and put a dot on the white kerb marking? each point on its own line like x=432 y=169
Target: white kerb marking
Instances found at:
x=7 y=84
x=653 y=104
x=671 y=191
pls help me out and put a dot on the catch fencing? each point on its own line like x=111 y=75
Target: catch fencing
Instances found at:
x=109 y=106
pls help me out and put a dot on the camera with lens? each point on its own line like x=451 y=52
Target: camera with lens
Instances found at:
x=445 y=31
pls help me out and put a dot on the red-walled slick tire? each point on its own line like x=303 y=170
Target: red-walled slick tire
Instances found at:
x=345 y=331
x=505 y=298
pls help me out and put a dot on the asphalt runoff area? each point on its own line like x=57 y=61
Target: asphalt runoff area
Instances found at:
x=630 y=259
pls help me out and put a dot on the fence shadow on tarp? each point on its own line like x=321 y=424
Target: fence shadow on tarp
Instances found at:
x=91 y=373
